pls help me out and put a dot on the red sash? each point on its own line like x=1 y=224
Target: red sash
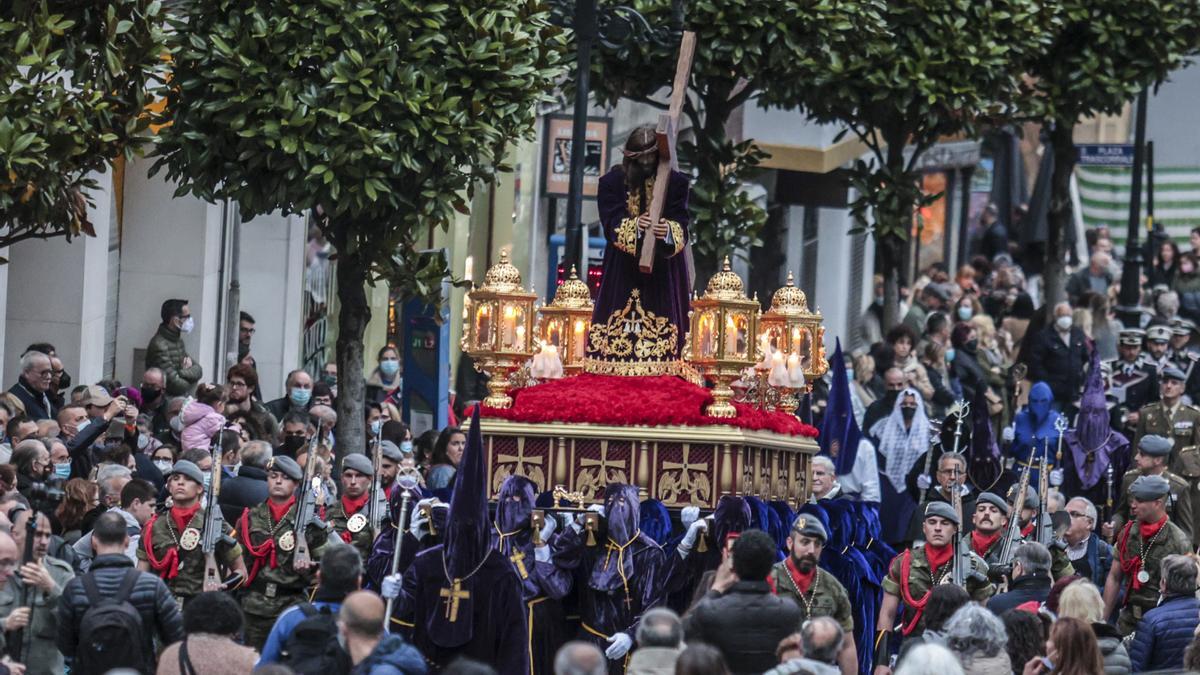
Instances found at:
x=939 y=559
x=803 y=581
x=263 y=554
x=1133 y=564
x=983 y=543
x=166 y=567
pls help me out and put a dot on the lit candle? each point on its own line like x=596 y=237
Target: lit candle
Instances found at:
x=795 y=371
x=554 y=364
x=580 y=338
x=537 y=367
x=778 y=376
x=764 y=347
x=520 y=333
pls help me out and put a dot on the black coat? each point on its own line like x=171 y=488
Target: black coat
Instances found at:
x=746 y=623
x=1020 y=591
x=243 y=491
x=971 y=375
x=994 y=240
x=1061 y=366
x=150 y=597
x=38 y=407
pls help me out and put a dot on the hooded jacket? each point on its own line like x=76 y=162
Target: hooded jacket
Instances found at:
x=392 y=656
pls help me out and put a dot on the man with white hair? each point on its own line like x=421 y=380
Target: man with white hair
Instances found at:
x=1090 y=555
x=32 y=389
x=1095 y=278
x=1058 y=356
x=580 y=658
x=824 y=479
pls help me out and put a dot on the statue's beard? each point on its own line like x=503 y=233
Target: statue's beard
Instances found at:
x=637 y=174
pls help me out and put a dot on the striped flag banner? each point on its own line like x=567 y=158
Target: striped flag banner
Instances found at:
x=1104 y=197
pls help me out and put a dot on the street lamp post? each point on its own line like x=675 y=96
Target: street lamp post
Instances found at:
x=1131 y=271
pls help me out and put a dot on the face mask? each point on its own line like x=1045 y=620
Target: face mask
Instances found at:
x=64 y=381
x=964 y=313
x=376 y=427
x=330 y=380
x=950 y=355
x=163 y=465
x=299 y=396
x=207 y=481
x=908 y=413
x=63 y=470
x=406 y=446
x=293 y=443
x=149 y=393
x=329 y=440
x=1064 y=323
x=972 y=345
x=177 y=425
x=187 y=325
x=81 y=426
x=143 y=441
x=389 y=367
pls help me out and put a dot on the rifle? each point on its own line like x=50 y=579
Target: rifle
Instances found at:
x=958 y=573
x=935 y=433
x=1014 y=521
x=377 y=502
x=305 y=509
x=21 y=640
x=213 y=521
x=1043 y=532
x=406 y=484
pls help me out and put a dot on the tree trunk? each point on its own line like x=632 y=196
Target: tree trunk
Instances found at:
x=354 y=314
x=1060 y=214
x=893 y=223
x=890 y=260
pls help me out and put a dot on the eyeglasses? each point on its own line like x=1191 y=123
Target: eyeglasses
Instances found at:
x=234 y=383
x=1078 y=514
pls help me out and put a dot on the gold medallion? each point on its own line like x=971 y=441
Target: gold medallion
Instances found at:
x=189 y=539
x=287 y=541
x=356 y=523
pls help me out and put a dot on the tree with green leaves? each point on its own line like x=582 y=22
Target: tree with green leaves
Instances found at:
x=76 y=77
x=1103 y=53
x=376 y=116
x=940 y=68
x=743 y=46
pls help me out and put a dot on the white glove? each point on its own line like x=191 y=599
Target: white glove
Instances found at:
x=618 y=646
x=390 y=589
x=689 y=515
x=689 y=539
x=1008 y=434
x=1056 y=477
x=541 y=553
x=548 y=529
x=418 y=522
x=924 y=481
x=579 y=520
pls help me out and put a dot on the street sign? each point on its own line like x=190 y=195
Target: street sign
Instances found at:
x=1105 y=154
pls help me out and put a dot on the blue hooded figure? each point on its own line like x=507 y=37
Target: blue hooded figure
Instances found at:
x=1034 y=433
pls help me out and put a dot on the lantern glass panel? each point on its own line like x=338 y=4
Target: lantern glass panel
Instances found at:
x=579 y=337
x=774 y=335
x=484 y=325
x=804 y=345
x=554 y=332
x=513 y=327
x=706 y=334
x=737 y=334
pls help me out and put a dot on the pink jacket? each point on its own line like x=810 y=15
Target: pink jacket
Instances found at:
x=200 y=424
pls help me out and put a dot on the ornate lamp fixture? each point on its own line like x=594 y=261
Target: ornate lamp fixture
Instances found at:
x=564 y=323
x=796 y=337
x=724 y=326
x=499 y=334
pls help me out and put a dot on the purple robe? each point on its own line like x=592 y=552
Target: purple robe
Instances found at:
x=622 y=340
x=1094 y=452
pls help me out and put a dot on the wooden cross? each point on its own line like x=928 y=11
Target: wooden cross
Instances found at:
x=518 y=559
x=452 y=596
x=685 y=483
x=668 y=123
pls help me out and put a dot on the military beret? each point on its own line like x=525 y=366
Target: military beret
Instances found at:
x=1032 y=501
x=1172 y=373
x=188 y=469
x=809 y=526
x=391 y=451
x=1155 y=446
x=942 y=510
x=358 y=462
x=1148 y=488
x=993 y=499
x=286 y=466
x=1158 y=333
x=1132 y=336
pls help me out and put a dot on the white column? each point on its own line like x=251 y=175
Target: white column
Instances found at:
x=271 y=272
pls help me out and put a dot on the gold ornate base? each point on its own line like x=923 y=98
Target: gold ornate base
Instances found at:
x=722 y=393
x=498 y=391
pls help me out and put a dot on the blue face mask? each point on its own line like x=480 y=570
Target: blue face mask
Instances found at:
x=406 y=446
x=389 y=367
x=81 y=426
x=207 y=481
x=950 y=355
x=299 y=396
x=63 y=470
x=376 y=427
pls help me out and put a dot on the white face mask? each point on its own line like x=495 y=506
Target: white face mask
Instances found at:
x=1064 y=323
x=143 y=441
x=164 y=465
x=187 y=325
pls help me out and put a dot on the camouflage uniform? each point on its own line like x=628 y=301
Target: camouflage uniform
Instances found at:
x=826 y=596
x=272 y=589
x=1179 y=506
x=1183 y=427
x=339 y=520
x=162 y=536
x=1171 y=540
x=43 y=657
x=921 y=579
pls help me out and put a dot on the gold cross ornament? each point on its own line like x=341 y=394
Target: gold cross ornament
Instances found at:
x=518 y=559
x=453 y=595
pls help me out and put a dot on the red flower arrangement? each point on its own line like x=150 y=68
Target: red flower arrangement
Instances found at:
x=633 y=401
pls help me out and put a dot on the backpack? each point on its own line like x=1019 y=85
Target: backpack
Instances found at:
x=110 y=632
x=313 y=648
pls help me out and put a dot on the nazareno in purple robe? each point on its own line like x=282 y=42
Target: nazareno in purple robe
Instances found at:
x=633 y=343
x=1093 y=448
x=543 y=584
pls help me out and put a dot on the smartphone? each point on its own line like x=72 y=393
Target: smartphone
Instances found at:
x=1047 y=664
x=116 y=428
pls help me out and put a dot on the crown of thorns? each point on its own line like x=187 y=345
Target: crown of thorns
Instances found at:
x=634 y=154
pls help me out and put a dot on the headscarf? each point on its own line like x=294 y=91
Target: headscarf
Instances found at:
x=902 y=446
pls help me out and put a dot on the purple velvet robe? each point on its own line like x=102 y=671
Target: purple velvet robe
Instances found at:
x=542 y=590
x=663 y=293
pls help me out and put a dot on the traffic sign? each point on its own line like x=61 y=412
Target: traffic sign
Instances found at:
x=1105 y=154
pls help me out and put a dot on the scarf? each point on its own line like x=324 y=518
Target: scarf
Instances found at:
x=901 y=445
x=803 y=581
x=350 y=507
x=278 y=511
x=1028 y=529
x=982 y=543
x=181 y=516
x=166 y=567
x=1131 y=565
x=264 y=553
x=936 y=556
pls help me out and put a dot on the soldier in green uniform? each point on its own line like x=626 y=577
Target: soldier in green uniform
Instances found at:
x=170 y=544
x=43 y=578
x=1141 y=546
x=1151 y=460
x=348 y=515
x=1180 y=422
x=268 y=536
x=816 y=591
x=990 y=521
x=914 y=573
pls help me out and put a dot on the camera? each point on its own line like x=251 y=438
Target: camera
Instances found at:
x=46 y=495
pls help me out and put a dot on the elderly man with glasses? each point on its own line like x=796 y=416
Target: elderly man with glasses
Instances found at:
x=1090 y=555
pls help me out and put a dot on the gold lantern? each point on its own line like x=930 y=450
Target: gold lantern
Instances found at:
x=499 y=334
x=790 y=329
x=564 y=323
x=724 y=326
